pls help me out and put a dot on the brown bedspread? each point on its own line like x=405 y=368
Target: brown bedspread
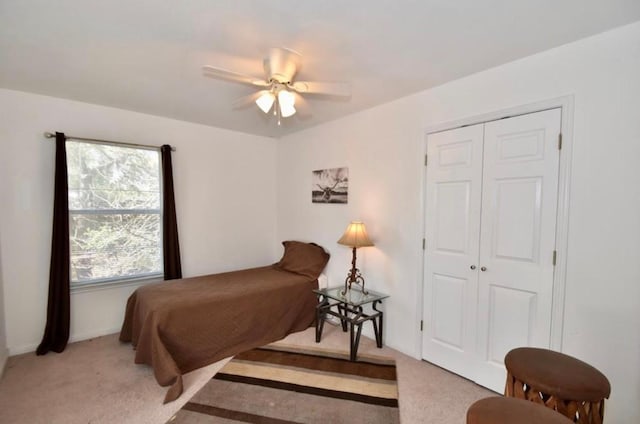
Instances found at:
x=180 y=325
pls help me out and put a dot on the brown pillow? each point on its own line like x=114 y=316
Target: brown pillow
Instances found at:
x=308 y=259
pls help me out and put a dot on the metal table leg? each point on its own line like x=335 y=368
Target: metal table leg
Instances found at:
x=377 y=327
x=342 y=311
x=321 y=314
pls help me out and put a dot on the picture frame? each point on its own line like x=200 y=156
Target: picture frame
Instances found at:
x=330 y=185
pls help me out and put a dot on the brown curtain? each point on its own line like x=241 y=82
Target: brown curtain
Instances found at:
x=56 y=332
x=171 y=248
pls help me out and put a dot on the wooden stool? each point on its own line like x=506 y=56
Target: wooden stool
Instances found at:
x=502 y=410
x=563 y=383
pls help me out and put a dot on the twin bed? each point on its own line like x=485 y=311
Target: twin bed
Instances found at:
x=180 y=325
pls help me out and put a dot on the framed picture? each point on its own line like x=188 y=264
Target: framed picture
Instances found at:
x=330 y=185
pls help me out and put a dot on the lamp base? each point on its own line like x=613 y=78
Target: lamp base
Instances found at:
x=354 y=277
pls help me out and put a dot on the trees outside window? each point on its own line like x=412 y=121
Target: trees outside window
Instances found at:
x=114 y=212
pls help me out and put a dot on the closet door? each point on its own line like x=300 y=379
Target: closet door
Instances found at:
x=517 y=239
x=452 y=225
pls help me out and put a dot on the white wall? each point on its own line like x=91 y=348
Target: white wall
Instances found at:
x=383 y=149
x=225 y=200
x=3 y=338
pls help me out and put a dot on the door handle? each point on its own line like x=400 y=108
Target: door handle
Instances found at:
x=483 y=268
x=472 y=267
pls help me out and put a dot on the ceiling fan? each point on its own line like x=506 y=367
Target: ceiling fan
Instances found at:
x=280 y=91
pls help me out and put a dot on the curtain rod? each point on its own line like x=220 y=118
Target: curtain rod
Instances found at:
x=113 y=143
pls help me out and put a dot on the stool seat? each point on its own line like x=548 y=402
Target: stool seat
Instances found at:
x=557 y=374
x=501 y=410
x=560 y=382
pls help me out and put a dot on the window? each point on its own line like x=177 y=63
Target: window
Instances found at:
x=114 y=213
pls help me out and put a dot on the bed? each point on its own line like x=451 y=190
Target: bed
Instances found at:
x=180 y=325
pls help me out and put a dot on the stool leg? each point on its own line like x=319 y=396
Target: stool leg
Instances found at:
x=600 y=411
x=508 y=386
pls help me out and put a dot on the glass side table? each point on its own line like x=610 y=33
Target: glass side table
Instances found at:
x=349 y=311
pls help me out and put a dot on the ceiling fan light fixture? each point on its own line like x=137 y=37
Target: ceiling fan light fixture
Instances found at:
x=265 y=101
x=279 y=89
x=287 y=111
x=286 y=100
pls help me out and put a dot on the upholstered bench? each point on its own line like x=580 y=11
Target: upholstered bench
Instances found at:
x=504 y=410
x=563 y=383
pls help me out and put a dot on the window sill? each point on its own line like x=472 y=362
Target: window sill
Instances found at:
x=83 y=288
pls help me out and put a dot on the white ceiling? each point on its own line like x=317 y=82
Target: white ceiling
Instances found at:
x=146 y=55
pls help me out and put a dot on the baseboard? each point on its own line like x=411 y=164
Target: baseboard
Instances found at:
x=18 y=350
x=93 y=334
x=3 y=361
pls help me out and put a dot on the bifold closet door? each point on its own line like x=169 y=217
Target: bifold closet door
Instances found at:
x=490 y=225
x=452 y=228
x=517 y=238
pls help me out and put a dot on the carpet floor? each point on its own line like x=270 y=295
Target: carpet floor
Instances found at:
x=288 y=384
x=96 y=381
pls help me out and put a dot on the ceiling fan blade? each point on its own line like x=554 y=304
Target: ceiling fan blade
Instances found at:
x=342 y=89
x=212 y=71
x=302 y=106
x=247 y=101
x=282 y=64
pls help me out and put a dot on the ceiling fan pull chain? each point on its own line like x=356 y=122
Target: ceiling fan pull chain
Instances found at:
x=276 y=110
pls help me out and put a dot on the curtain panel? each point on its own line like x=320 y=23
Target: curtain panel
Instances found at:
x=170 y=245
x=56 y=332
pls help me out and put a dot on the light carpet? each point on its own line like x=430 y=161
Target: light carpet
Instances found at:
x=95 y=381
x=289 y=384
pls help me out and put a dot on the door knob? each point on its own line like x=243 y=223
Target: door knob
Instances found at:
x=483 y=268
x=472 y=267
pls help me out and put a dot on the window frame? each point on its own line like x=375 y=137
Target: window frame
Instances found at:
x=130 y=280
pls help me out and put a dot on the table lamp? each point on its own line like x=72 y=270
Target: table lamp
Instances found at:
x=355 y=236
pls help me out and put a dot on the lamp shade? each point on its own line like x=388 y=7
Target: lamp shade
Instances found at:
x=265 y=101
x=355 y=235
x=286 y=100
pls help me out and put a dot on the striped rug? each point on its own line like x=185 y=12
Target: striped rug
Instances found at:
x=281 y=384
